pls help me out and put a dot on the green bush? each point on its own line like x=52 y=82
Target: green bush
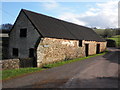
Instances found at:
x=117 y=40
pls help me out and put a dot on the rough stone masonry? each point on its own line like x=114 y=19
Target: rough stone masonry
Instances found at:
x=51 y=50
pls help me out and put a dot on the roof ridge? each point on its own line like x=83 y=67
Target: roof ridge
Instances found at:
x=49 y=26
x=55 y=18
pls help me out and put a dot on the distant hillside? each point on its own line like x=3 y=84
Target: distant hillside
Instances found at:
x=107 y=33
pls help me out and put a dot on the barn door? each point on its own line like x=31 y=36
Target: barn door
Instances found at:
x=86 y=49
x=98 y=48
x=32 y=54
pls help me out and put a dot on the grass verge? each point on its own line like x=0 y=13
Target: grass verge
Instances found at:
x=7 y=74
x=70 y=61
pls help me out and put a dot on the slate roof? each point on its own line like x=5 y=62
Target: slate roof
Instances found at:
x=51 y=27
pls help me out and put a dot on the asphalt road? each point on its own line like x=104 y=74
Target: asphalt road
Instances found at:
x=96 y=72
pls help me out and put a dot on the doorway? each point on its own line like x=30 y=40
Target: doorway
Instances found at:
x=98 y=49
x=32 y=54
x=86 y=49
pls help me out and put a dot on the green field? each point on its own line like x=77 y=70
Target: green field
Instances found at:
x=117 y=39
x=7 y=74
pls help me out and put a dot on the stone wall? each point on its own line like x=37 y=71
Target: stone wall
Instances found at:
x=52 y=50
x=93 y=46
x=102 y=46
x=9 y=64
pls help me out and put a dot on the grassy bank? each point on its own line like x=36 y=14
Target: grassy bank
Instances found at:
x=7 y=74
x=70 y=61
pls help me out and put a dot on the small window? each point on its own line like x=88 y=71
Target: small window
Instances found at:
x=31 y=52
x=80 y=43
x=23 y=32
x=15 y=51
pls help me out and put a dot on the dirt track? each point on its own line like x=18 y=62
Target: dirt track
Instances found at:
x=96 y=72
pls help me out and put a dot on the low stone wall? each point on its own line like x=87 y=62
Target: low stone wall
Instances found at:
x=9 y=64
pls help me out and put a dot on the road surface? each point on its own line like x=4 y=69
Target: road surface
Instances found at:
x=96 y=72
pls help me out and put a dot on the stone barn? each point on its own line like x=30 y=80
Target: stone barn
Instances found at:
x=47 y=39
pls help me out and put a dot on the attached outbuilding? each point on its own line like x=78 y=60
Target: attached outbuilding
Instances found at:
x=47 y=39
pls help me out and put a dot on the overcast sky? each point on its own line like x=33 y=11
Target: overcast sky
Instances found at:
x=91 y=14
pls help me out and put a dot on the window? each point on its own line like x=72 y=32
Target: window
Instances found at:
x=80 y=43
x=23 y=32
x=31 y=52
x=15 y=51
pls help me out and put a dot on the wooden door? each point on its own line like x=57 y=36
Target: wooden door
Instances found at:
x=98 y=49
x=86 y=49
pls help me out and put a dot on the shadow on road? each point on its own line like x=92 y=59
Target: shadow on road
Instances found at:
x=47 y=84
x=113 y=56
x=99 y=82
x=96 y=82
